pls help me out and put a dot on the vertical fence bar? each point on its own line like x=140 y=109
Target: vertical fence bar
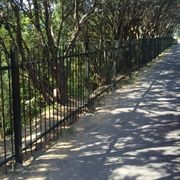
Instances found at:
x=131 y=53
x=16 y=106
x=140 y=53
x=2 y=114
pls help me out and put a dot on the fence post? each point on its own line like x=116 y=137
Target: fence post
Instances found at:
x=131 y=54
x=141 y=53
x=16 y=106
x=114 y=68
x=143 y=44
x=162 y=44
x=114 y=75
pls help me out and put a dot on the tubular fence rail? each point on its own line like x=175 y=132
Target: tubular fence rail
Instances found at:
x=41 y=96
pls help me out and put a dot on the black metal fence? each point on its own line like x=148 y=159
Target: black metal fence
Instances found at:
x=41 y=96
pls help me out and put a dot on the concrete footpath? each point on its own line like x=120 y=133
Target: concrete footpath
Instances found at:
x=133 y=134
